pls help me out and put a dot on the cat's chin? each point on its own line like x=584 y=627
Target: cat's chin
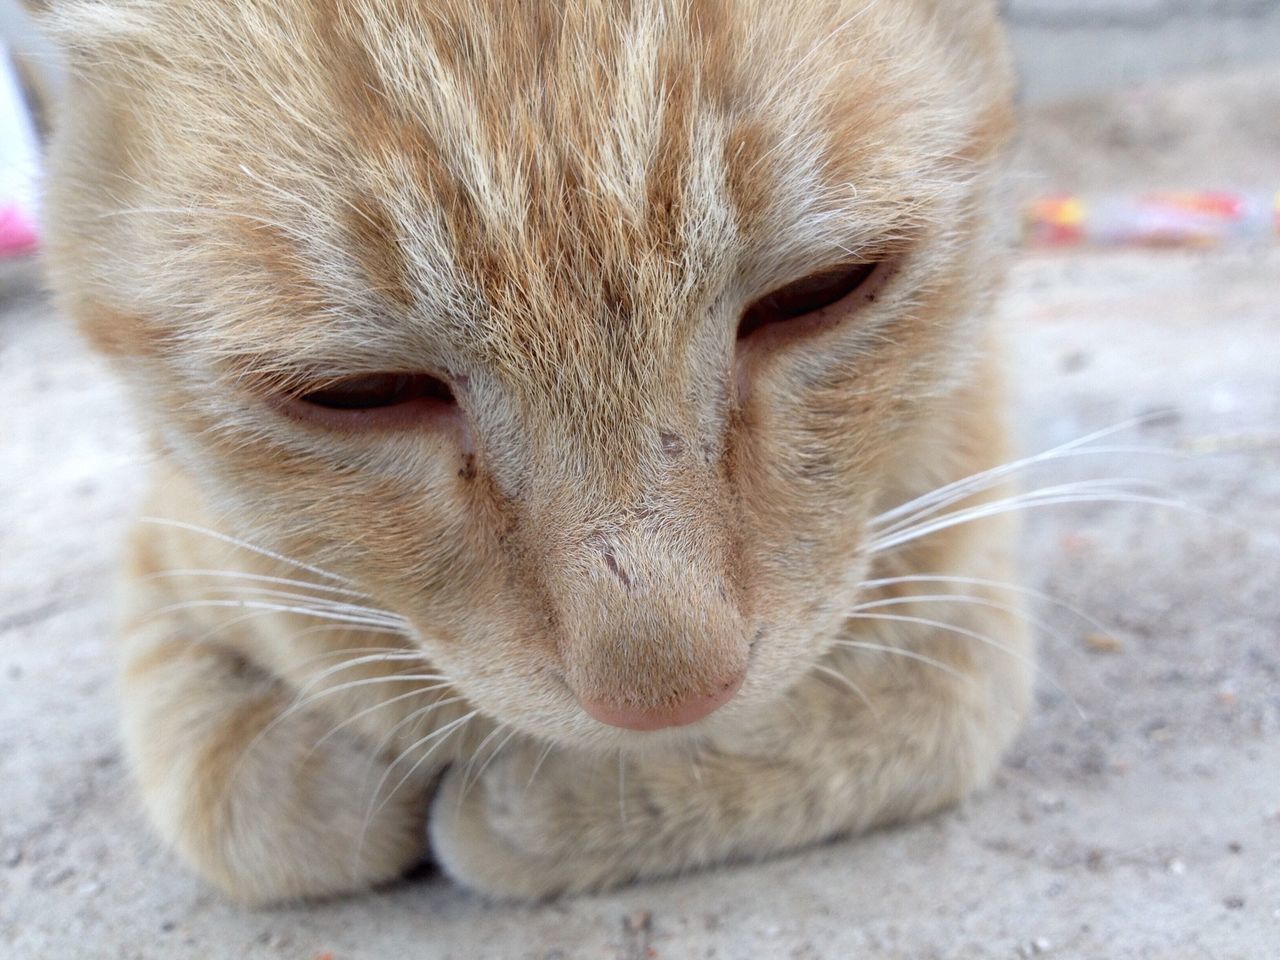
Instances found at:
x=680 y=744
x=650 y=743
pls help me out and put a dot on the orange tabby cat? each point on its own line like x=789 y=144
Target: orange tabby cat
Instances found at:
x=557 y=406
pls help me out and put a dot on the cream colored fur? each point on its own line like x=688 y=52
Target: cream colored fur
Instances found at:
x=562 y=208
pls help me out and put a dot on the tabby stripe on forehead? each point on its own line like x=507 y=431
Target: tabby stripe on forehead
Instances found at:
x=378 y=250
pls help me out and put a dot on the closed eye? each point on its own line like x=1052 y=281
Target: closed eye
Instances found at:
x=806 y=297
x=372 y=401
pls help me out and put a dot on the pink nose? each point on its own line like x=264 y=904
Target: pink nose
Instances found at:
x=687 y=711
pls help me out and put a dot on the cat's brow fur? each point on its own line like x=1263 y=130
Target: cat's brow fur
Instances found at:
x=562 y=207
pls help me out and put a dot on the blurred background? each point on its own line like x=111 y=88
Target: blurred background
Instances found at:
x=1139 y=815
x=1071 y=47
x=1064 y=47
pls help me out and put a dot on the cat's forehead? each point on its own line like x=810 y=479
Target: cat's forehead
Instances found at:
x=523 y=175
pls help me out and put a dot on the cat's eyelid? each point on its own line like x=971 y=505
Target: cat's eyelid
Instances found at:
x=284 y=380
x=807 y=303
x=369 y=402
x=892 y=247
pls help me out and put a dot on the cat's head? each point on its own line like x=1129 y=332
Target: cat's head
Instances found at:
x=584 y=335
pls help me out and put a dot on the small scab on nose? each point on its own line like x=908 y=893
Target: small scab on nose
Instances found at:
x=615 y=568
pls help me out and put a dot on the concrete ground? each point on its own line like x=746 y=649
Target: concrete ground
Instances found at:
x=1137 y=817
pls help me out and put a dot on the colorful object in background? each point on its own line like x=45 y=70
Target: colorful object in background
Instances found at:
x=1160 y=219
x=17 y=231
x=19 y=167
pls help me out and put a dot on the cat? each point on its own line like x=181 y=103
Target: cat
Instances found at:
x=572 y=424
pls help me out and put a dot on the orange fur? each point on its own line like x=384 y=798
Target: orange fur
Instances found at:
x=563 y=209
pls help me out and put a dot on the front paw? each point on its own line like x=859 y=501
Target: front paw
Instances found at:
x=516 y=834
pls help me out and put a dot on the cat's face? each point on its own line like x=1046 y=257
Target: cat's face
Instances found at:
x=470 y=302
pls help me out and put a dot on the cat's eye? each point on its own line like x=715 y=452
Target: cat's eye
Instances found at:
x=807 y=297
x=373 y=400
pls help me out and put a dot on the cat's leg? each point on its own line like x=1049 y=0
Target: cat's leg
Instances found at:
x=826 y=763
x=268 y=811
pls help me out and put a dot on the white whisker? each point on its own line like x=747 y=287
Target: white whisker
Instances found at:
x=958 y=490
x=363 y=657
x=298 y=705
x=961 y=598
x=976 y=481
x=355 y=717
x=368 y=682
x=1009 y=505
x=312 y=602
x=254 y=615
x=994 y=584
x=622 y=789
x=694 y=765
x=331 y=616
x=475 y=755
x=255 y=577
x=345 y=651
x=537 y=764
x=441 y=732
x=244 y=545
x=468 y=780
x=981 y=638
x=406 y=721
x=901 y=652
x=836 y=674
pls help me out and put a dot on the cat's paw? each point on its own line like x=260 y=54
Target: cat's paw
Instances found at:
x=513 y=833
x=299 y=821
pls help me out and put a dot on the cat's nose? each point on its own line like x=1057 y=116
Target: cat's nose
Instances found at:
x=683 y=712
